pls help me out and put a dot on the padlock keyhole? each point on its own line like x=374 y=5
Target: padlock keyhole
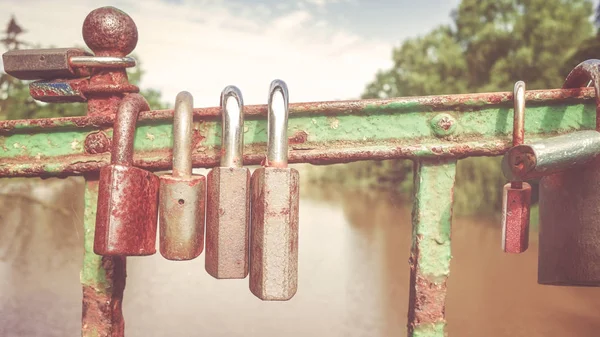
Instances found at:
x=181 y=201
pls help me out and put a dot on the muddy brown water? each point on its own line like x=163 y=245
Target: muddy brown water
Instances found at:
x=353 y=278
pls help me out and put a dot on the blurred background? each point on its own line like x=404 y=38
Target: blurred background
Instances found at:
x=355 y=227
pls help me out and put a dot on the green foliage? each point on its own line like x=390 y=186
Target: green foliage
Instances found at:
x=490 y=45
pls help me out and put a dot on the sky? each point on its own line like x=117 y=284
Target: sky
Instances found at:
x=323 y=49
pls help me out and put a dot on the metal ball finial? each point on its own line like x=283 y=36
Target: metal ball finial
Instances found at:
x=108 y=31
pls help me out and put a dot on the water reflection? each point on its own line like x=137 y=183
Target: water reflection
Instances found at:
x=354 y=249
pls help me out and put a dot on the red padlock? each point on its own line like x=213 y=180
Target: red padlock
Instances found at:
x=127 y=213
x=516 y=196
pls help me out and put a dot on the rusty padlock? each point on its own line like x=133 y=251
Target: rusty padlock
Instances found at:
x=181 y=197
x=58 y=63
x=228 y=208
x=516 y=195
x=569 y=194
x=48 y=64
x=126 y=217
x=275 y=202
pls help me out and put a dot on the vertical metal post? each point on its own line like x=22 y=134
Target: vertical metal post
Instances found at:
x=102 y=278
x=107 y=31
x=430 y=252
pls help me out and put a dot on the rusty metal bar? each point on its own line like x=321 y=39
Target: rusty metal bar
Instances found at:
x=102 y=279
x=451 y=126
x=430 y=252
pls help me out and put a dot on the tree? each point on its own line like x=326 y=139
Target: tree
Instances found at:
x=16 y=103
x=588 y=49
x=491 y=45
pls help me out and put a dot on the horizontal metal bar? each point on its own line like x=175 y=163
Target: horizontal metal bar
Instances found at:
x=448 y=126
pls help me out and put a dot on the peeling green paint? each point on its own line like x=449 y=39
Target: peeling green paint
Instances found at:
x=430 y=251
x=443 y=124
x=92 y=273
x=49 y=143
x=430 y=330
x=153 y=136
x=403 y=124
x=432 y=216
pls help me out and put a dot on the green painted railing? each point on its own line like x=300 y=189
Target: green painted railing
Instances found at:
x=452 y=126
x=433 y=131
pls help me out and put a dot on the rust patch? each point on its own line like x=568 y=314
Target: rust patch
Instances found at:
x=109 y=31
x=197 y=138
x=127 y=213
x=426 y=298
x=299 y=137
x=515 y=217
x=110 y=89
x=102 y=314
x=445 y=123
x=97 y=142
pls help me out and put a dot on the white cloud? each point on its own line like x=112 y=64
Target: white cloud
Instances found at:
x=323 y=3
x=203 y=48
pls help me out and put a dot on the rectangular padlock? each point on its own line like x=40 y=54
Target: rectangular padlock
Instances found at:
x=182 y=193
x=228 y=207
x=127 y=212
x=516 y=195
x=275 y=206
x=47 y=64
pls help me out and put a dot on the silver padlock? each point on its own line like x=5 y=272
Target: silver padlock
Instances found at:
x=182 y=194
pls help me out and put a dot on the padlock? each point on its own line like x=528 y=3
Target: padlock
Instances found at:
x=48 y=64
x=275 y=202
x=126 y=217
x=516 y=195
x=181 y=197
x=58 y=63
x=228 y=207
x=569 y=194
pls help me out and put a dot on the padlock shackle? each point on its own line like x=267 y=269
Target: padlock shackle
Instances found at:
x=581 y=76
x=519 y=117
x=183 y=120
x=232 y=126
x=518 y=122
x=124 y=128
x=277 y=141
